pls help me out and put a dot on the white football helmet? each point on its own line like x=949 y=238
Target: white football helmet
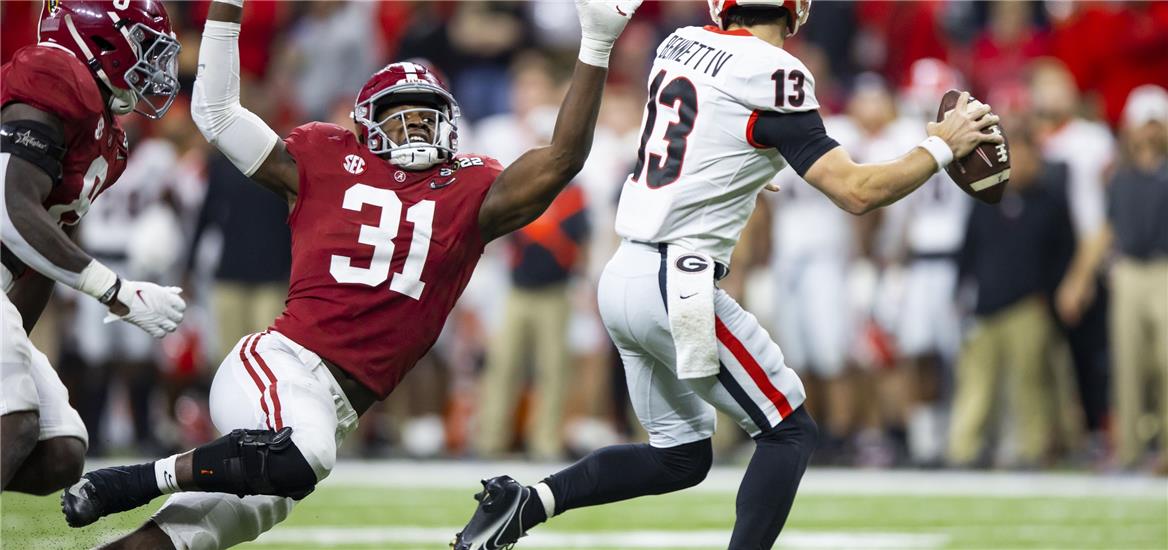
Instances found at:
x=797 y=11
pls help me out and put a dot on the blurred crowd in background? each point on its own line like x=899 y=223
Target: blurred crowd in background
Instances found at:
x=937 y=332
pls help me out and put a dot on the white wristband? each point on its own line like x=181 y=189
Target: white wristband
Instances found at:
x=97 y=280
x=594 y=51
x=940 y=151
x=236 y=3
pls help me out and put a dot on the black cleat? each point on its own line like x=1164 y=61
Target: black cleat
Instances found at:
x=100 y=493
x=496 y=523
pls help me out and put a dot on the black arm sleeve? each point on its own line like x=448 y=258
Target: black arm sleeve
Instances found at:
x=799 y=137
x=35 y=142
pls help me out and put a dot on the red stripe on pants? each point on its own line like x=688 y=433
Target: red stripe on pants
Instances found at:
x=272 y=387
x=752 y=368
x=254 y=376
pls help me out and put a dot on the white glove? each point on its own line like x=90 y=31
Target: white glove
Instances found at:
x=601 y=22
x=155 y=309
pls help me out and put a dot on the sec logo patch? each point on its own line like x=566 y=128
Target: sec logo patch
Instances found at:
x=354 y=164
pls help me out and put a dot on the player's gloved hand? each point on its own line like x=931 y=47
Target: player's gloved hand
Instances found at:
x=962 y=127
x=155 y=309
x=601 y=22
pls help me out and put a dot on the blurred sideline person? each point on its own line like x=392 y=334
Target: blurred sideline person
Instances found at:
x=811 y=315
x=1087 y=149
x=1136 y=230
x=928 y=229
x=727 y=109
x=135 y=231
x=387 y=226
x=545 y=255
x=1015 y=252
x=61 y=146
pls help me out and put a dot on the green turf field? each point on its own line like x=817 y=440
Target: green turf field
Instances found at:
x=351 y=516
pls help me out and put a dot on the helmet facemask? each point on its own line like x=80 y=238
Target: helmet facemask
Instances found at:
x=154 y=78
x=411 y=154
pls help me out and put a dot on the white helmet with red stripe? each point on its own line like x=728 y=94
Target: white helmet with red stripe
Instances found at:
x=797 y=10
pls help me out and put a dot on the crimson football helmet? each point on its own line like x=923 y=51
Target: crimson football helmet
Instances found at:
x=127 y=44
x=408 y=83
x=797 y=10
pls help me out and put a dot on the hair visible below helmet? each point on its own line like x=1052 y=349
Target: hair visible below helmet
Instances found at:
x=797 y=11
x=415 y=84
x=127 y=44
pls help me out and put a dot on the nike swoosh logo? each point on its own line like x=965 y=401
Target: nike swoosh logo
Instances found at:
x=435 y=185
x=139 y=293
x=690 y=296
x=622 y=14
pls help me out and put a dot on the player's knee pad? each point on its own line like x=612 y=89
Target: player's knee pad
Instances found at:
x=689 y=463
x=254 y=462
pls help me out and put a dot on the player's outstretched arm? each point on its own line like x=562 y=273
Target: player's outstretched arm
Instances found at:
x=859 y=188
x=244 y=138
x=34 y=143
x=525 y=189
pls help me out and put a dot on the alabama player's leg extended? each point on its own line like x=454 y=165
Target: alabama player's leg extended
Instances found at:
x=283 y=415
x=679 y=416
x=42 y=438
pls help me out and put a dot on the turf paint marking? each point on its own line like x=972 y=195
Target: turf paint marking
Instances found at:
x=439 y=536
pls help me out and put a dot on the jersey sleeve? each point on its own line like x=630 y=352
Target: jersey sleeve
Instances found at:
x=481 y=173
x=799 y=137
x=54 y=81
x=310 y=138
x=779 y=83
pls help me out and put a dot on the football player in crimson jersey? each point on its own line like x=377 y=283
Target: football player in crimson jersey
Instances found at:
x=61 y=146
x=728 y=108
x=387 y=226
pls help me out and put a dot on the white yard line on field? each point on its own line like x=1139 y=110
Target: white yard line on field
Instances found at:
x=792 y=539
x=452 y=474
x=465 y=475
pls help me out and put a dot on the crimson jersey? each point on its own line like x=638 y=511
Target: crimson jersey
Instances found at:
x=53 y=80
x=379 y=254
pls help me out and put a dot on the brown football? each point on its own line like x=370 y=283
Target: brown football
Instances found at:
x=984 y=173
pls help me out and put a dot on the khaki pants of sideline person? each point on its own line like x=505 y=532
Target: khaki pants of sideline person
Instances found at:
x=242 y=308
x=535 y=320
x=1139 y=348
x=1014 y=341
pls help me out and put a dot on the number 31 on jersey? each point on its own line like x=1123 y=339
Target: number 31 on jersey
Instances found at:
x=380 y=237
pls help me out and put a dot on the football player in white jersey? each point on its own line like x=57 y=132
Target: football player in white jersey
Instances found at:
x=727 y=109
x=929 y=227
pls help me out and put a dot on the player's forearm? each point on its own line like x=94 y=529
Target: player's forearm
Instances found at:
x=881 y=184
x=227 y=12
x=241 y=135
x=34 y=238
x=576 y=122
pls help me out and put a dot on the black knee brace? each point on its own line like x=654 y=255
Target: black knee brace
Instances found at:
x=254 y=462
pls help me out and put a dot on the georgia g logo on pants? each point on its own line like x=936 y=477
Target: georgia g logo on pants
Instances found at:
x=692 y=263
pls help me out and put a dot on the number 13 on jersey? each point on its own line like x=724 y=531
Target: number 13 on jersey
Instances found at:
x=380 y=237
x=681 y=96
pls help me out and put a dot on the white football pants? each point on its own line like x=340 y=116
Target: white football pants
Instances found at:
x=29 y=383
x=266 y=382
x=753 y=385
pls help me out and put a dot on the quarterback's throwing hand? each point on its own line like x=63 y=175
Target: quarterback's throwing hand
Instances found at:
x=155 y=309
x=601 y=22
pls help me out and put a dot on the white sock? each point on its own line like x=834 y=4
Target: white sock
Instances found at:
x=547 y=498
x=164 y=475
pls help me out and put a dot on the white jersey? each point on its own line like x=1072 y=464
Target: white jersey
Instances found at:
x=698 y=172
x=931 y=220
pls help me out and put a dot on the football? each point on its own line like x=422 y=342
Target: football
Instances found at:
x=984 y=173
